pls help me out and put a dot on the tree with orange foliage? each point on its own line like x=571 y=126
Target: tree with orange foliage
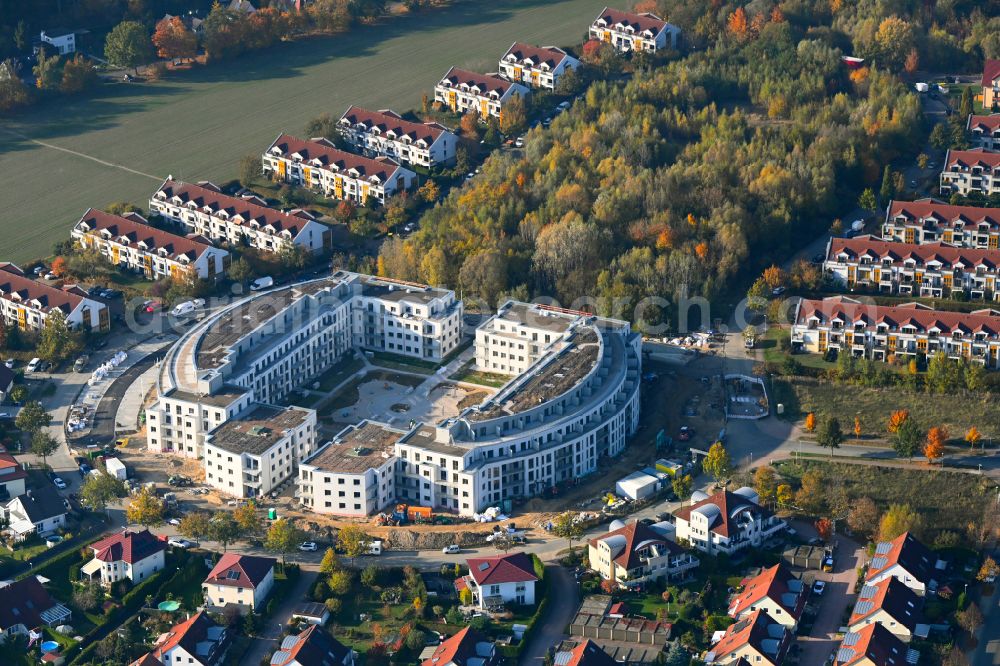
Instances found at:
x=912 y=61
x=824 y=528
x=470 y=123
x=934 y=447
x=857 y=427
x=59 y=266
x=810 y=423
x=896 y=419
x=172 y=39
x=972 y=436
x=665 y=239
x=701 y=250
x=737 y=24
x=777 y=16
x=644 y=6
x=774 y=276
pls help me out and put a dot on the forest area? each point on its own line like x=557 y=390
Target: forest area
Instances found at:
x=689 y=176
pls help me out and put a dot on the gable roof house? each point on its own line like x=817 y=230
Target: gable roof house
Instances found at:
x=243 y=580
x=198 y=641
x=26 y=605
x=39 y=511
x=387 y=133
x=26 y=303
x=468 y=647
x=629 y=32
x=907 y=559
x=312 y=647
x=973 y=171
x=774 y=590
x=726 y=522
x=984 y=131
x=756 y=637
x=891 y=604
x=127 y=555
x=586 y=653
x=536 y=66
x=495 y=581
x=928 y=220
x=874 y=645
x=12 y=475
x=463 y=91
x=991 y=85
x=636 y=554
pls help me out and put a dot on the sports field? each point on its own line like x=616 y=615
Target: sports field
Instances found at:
x=121 y=143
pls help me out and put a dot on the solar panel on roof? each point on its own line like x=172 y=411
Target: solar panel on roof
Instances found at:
x=863 y=607
x=883 y=547
x=879 y=562
x=280 y=657
x=845 y=654
x=868 y=591
x=851 y=638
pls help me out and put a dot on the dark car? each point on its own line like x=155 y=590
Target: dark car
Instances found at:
x=685 y=434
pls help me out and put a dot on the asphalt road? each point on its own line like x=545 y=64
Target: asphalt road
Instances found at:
x=563 y=600
x=104 y=424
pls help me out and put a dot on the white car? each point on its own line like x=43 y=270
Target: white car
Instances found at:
x=9 y=363
x=59 y=483
x=51 y=276
x=180 y=543
x=308 y=546
x=519 y=143
x=174 y=521
x=262 y=283
x=453 y=549
x=33 y=364
x=818 y=587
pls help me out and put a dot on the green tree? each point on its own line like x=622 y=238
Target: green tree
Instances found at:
x=677 y=655
x=370 y=576
x=897 y=519
x=765 y=483
x=48 y=71
x=100 y=490
x=867 y=200
x=13 y=93
x=907 y=438
x=757 y=295
x=21 y=35
x=224 y=529
x=323 y=126
x=251 y=168
x=514 y=117
x=195 y=525
x=240 y=271
x=145 y=508
x=247 y=517
x=682 y=485
x=829 y=435
x=965 y=107
x=57 y=341
x=79 y=74
x=940 y=137
x=353 y=541
x=283 y=537
x=717 y=462
x=888 y=189
x=340 y=582
x=894 y=40
x=565 y=527
x=43 y=445
x=128 y=45
x=32 y=417
x=415 y=641
x=330 y=562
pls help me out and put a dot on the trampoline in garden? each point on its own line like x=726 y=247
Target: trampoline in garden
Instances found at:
x=169 y=606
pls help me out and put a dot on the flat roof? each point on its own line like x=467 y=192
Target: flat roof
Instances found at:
x=258 y=430
x=221 y=398
x=528 y=314
x=357 y=448
x=424 y=437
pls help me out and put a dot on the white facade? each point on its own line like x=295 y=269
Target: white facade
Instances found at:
x=64 y=42
x=634 y=32
x=984 y=131
x=726 y=522
x=971 y=172
x=252 y=598
x=536 y=66
x=386 y=133
x=463 y=91
x=26 y=303
x=206 y=211
x=513 y=340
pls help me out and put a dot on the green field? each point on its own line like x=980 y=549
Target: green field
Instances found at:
x=197 y=125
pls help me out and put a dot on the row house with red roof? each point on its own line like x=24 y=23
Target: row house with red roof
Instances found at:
x=874 y=645
x=12 y=476
x=991 y=85
x=467 y=647
x=312 y=647
x=129 y=241
x=930 y=221
x=974 y=171
x=629 y=32
x=504 y=579
x=892 y=604
x=536 y=66
x=463 y=91
x=205 y=210
x=318 y=164
x=27 y=303
x=774 y=590
x=906 y=559
x=984 y=131
x=636 y=554
x=726 y=522
x=880 y=332
x=133 y=556
x=932 y=270
x=386 y=133
x=755 y=638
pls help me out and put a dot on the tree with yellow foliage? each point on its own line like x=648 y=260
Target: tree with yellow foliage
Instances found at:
x=896 y=419
x=973 y=437
x=784 y=494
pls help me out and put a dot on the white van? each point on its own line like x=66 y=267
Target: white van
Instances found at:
x=181 y=309
x=33 y=364
x=375 y=547
x=262 y=283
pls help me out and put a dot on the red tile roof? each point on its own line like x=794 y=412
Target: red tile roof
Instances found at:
x=923 y=318
x=906 y=551
x=17 y=287
x=639 y=22
x=486 y=83
x=987 y=124
x=240 y=570
x=757 y=630
x=727 y=503
x=891 y=596
x=313 y=647
x=133 y=229
x=588 y=653
x=331 y=157
x=972 y=157
x=945 y=214
x=390 y=121
x=512 y=568
x=457 y=649
x=776 y=584
x=991 y=72
x=875 y=643
x=208 y=195
x=549 y=55
x=23 y=602
x=187 y=635
x=637 y=536
x=147 y=660
x=10 y=469
x=129 y=547
x=922 y=254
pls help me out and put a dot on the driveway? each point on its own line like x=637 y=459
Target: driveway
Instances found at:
x=269 y=636
x=563 y=596
x=839 y=595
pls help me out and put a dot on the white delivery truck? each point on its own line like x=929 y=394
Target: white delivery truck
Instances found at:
x=116 y=468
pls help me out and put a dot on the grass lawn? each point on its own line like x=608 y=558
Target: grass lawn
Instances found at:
x=874 y=406
x=186 y=126
x=330 y=379
x=404 y=363
x=468 y=373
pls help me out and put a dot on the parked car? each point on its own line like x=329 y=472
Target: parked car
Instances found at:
x=85 y=469
x=9 y=363
x=33 y=365
x=818 y=587
x=181 y=543
x=51 y=276
x=685 y=434
x=453 y=549
x=262 y=283
x=828 y=564
x=81 y=363
x=308 y=546
x=39 y=270
x=519 y=142
x=777 y=291
x=59 y=483
x=563 y=105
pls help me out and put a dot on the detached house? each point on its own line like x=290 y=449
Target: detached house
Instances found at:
x=536 y=66
x=318 y=164
x=880 y=332
x=984 y=131
x=929 y=220
x=874 y=645
x=198 y=641
x=313 y=647
x=504 y=579
x=755 y=639
x=206 y=211
x=893 y=605
x=131 y=242
x=134 y=556
x=386 y=133
x=991 y=85
x=41 y=511
x=26 y=303
x=934 y=270
x=466 y=648
x=971 y=172
x=726 y=522
x=586 y=653
x=243 y=580
x=26 y=605
x=908 y=560
x=12 y=476
x=463 y=91
x=629 y=32
x=637 y=554
x=774 y=590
